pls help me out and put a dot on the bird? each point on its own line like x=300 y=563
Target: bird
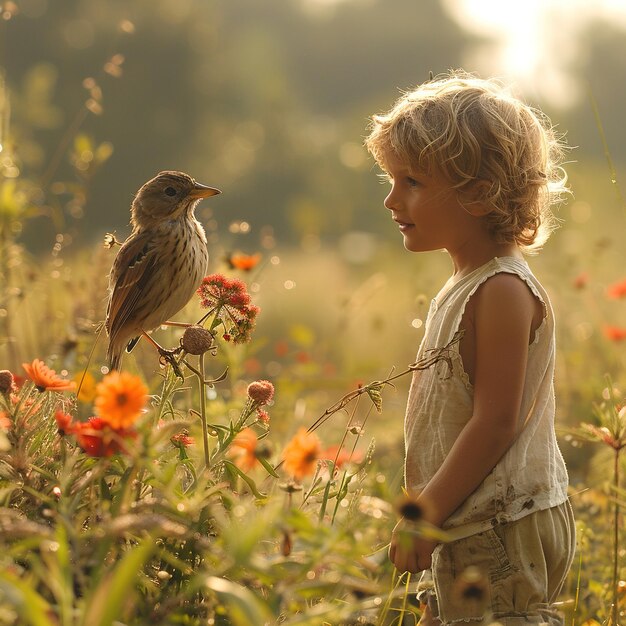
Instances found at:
x=160 y=265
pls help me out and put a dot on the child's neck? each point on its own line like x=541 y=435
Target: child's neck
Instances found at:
x=466 y=261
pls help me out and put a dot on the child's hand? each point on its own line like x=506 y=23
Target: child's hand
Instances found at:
x=408 y=551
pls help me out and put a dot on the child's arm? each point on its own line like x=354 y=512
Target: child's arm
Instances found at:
x=504 y=312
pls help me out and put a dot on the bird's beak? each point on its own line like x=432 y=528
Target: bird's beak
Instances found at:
x=202 y=191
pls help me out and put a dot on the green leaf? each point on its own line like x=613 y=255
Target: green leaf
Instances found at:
x=234 y=469
x=30 y=606
x=105 y=491
x=374 y=392
x=244 y=608
x=108 y=599
x=268 y=466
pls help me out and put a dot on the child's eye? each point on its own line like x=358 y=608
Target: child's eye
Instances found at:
x=412 y=182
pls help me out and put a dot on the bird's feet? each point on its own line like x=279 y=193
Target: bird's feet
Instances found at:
x=169 y=357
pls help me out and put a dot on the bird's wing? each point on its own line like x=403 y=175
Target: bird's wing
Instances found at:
x=133 y=269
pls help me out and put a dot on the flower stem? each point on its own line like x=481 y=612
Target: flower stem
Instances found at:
x=615 y=579
x=205 y=434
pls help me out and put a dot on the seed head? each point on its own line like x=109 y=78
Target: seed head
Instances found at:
x=410 y=509
x=261 y=391
x=472 y=587
x=7 y=384
x=197 y=340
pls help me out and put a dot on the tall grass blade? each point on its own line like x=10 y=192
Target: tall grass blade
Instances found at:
x=244 y=608
x=108 y=600
x=30 y=606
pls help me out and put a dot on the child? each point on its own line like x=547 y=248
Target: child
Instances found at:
x=474 y=171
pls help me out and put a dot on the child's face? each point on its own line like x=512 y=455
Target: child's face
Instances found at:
x=425 y=207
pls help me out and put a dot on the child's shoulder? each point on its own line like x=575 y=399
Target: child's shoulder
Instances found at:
x=506 y=297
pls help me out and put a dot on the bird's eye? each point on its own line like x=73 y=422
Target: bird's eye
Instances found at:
x=170 y=191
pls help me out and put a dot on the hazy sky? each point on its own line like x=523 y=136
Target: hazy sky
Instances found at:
x=536 y=39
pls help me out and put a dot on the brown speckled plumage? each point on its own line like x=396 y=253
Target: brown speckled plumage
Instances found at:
x=161 y=264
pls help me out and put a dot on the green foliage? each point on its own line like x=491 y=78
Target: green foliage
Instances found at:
x=153 y=534
x=168 y=533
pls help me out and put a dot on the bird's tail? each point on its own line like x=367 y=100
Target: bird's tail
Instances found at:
x=114 y=356
x=115 y=352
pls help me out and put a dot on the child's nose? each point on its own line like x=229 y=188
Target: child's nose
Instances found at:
x=389 y=201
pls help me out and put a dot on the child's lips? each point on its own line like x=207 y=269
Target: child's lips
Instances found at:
x=403 y=226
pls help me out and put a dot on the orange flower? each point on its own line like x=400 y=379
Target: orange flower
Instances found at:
x=301 y=453
x=245 y=262
x=5 y=421
x=96 y=438
x=46 y=379
x=243 y=449
x=342 y=456
x=614 y=333
x=120 y=399
x=617 y=290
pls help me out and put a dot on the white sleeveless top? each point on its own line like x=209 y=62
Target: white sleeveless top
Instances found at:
x=531 y=475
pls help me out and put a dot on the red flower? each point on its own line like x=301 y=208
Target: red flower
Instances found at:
x=263 y=416
x=64 y=422
x=183 y=439
x=580 y=282
x=231 y=302
x=97 y=438
x=617 y=290
x=614 y=333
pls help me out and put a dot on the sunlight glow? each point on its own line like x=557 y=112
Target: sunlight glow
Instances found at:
x=535 y=41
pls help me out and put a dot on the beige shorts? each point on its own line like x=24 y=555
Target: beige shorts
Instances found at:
x=516 y=571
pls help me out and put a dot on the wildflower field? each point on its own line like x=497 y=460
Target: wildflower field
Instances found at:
x=257 y=481
x=254 y=477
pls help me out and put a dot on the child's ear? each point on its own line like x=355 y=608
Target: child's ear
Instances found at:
x=473 y=197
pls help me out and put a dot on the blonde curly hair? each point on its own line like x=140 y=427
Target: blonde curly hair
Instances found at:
x=467 y=129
